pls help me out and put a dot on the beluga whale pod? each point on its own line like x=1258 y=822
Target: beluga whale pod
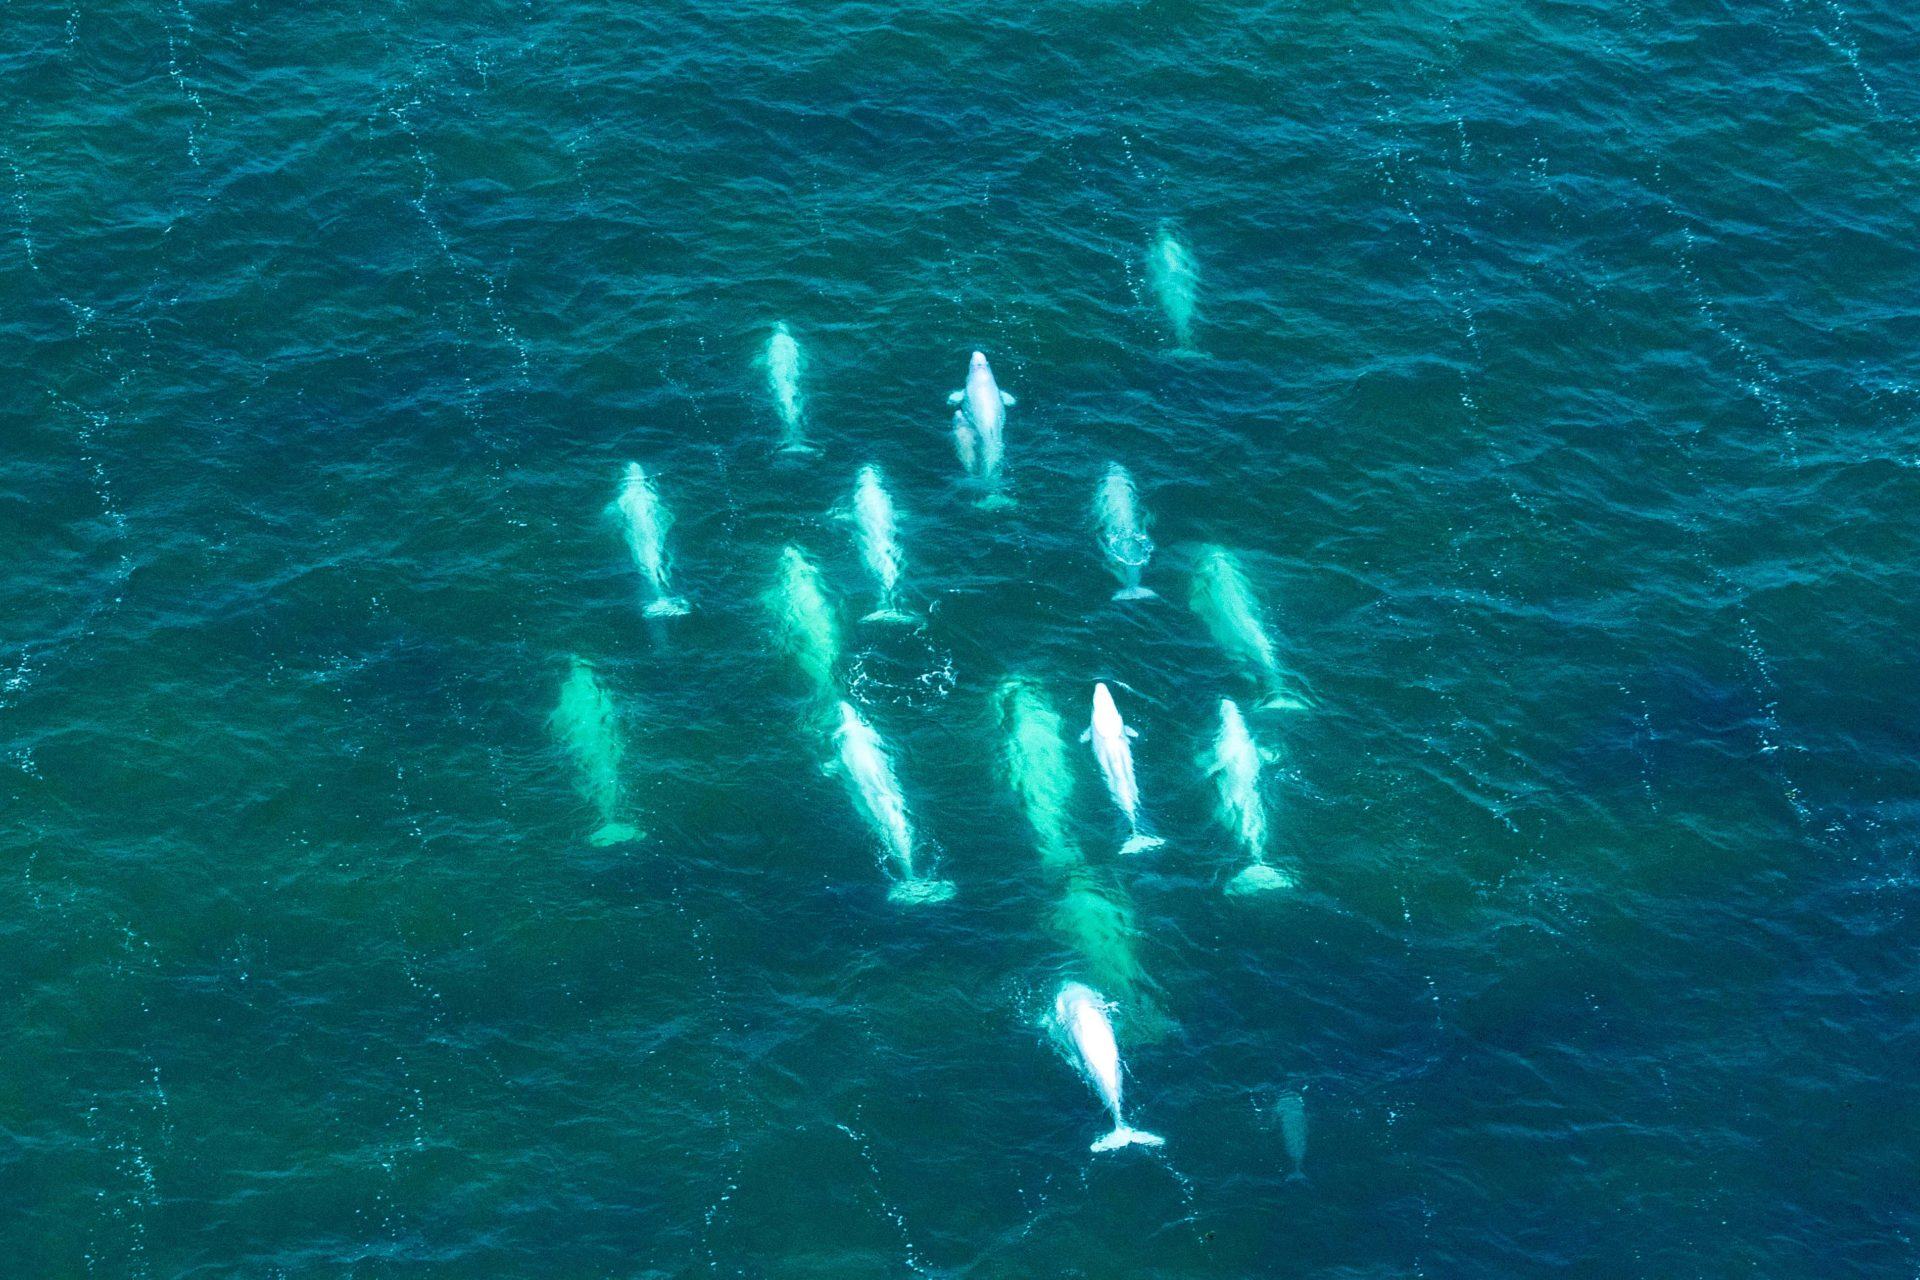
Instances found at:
x=784 y=364
x=1109 y=735
x=588 y=725
x=1123 y=531
x=1081 y=1017
x=644 y=522
x=1235 y=767
x=877 y=530
x=1175 y=277
x=876 y=793
x=1224 y=599
x=979 y=427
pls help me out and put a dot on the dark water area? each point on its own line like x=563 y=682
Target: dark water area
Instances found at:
x=1549 y=380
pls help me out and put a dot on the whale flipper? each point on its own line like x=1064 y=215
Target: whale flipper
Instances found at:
x=1008 y=399
x=955 y=397
x=1122 y=1136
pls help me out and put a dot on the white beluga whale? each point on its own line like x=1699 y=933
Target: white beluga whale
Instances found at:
x=1123 y=531
x=784 y=364
x=1235 y=766
x=1081 y=1015
x=876 y=793
x=1224 y=599
x=644 y=522
x=979 y=427
x=1176 y=280
x=877 y=526
x=1109 y=734
x=588 y=724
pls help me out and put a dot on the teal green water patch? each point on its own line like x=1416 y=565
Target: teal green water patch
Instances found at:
x=1541 y=375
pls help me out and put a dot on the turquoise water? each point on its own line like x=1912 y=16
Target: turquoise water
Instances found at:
x=1549 y=376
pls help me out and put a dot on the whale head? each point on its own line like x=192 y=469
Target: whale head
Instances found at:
x=1072 y=997
x=1106 y=716
x=978 y=364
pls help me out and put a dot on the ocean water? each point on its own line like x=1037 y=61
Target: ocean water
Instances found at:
x=1550 y=375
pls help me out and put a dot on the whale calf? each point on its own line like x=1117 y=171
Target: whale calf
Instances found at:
x=877 y=529
x=644 y=522
x=1224 y=599
x=1123 y=531
x=1080 y=1013
x=876 y=793
x=1109 y=734
x=588 y=725
x=979 y=426
x=804 y=620
x=784 y=364
x=1176 y=280
x=1235 y=766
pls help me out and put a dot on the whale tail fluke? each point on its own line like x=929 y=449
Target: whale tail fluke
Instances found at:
x=1140 y=842
x=1122 y=1136
x=920 y=892
x=668 y=607
x=799 y=448
x=1284 y=702
x=1136 y=593
x=615 y=833
x=995 y=502
x=890 y=614
x=1295 y=1176
x=1259 y=878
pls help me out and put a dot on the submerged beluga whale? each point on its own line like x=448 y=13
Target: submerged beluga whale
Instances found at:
x=1235 y=766
x=877 y=530
x=644 y=522
x=587 y=723
x=1176 y=282
x=1109 y=735
x=979 y=427
x=1123 y=531
x=1080 y=1016
x=1224 y=599
x=784 y=364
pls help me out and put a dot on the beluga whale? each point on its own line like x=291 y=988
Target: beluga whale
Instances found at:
x=1081 y=1017
x=803 y=619
x=877 y=530
x=784 y=364
x=1123 y=531
x=1109 y=735
x=1235 y=766
x=1224 y=599
x=979 y=427
x=1175 y=278
x=588 y=725
x=644 y=522
x=876 y=793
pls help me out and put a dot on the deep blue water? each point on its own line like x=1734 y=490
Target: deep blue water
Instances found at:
x=1551 y=379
